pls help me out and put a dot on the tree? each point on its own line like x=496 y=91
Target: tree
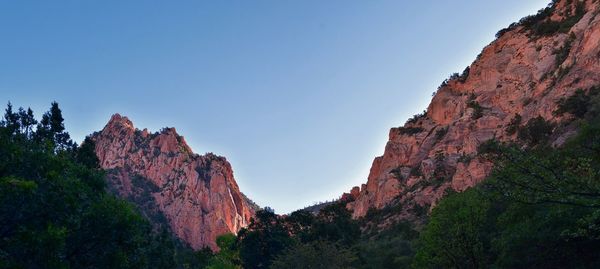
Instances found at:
x=228 y=257
x=11 y=119
x=55 y=212
x=27 y=121
x=536 y=132
x=458 y=234
x=86 y=154
x=334 y=223
x=264 y=239
x=51 y=129
x=299 y=224
x=56 y=119
x=576 y=104
x=388 y=248
x=569 y=176
x=316 y=254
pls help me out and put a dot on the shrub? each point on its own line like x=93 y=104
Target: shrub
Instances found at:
x=415 y=171
x=440 y=133
x=455 y=76
x=529 y=21
x=477 y=108
x=541 y=25
x=465 y=158
x=513 y=125
x=409 y=130
x=577 y=104
x=317 y=254
x=419 y=210
x=456 y=235
x=464 y=75
x=563 y=52
x=415 y=118
x=537 y=131
x=549 y=27
x=440 y=173
x=397 y=172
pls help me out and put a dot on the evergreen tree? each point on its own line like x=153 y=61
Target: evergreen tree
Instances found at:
x=27 y=121
x=11 y=119
x=55 y=212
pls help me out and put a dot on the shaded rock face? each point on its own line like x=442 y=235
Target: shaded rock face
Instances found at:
x=519 y=73
x=195 y=196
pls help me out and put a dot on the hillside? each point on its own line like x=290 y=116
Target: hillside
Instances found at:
x=518 y=77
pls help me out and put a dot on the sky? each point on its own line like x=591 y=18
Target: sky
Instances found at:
x=299 y=96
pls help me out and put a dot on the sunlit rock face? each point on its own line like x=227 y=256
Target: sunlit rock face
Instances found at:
x=516 y=74
x=195 y=196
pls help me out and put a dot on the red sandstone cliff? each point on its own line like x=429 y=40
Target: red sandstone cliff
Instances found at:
x=196 y=196
x=519 y=73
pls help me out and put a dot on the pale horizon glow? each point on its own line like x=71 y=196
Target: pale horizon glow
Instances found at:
x=298 y=95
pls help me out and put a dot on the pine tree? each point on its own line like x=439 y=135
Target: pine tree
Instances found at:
x=27 y=121
x=11 y=119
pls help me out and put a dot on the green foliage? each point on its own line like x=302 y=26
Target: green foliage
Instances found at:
x=440 y=133
x=397 y=172
x=335 y=223
x=536 y=132
x=316 y=254
x=375 y=215
x=415 y=118
x=270 y=237
x=228 y=257
x=464 y=75
x=300 y=224
x=440 y=172
x=415 y=171
x=514 y=124
x=457 y=233
x=477 y=108
x=409 y=130
x=551 y=176
x=548 y=27
x=462 y=78
x=465 y=158
x=540 y=208
x=391 y=247
x=540 y=24
x=330 y=239
x=54 y=211
x=581 y=104
x=530 y=21
x=86 y=154
x=561 y=55
x=265 y=238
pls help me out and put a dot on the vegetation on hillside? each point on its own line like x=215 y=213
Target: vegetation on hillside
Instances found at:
x=540 y=208
x=55 y=212
x=540 y=23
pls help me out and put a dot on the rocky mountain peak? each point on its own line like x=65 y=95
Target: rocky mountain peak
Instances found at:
x=519 y=77
x=117 y=121
x=194 y=196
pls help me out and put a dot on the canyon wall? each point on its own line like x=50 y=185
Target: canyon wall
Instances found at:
x=524 y=72
x=194 y=196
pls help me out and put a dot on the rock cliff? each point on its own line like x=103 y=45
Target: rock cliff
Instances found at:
x=518 y=77
x=195 y=196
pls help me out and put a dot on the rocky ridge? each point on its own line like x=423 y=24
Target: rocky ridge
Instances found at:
x=518 y=77
x=194 y=196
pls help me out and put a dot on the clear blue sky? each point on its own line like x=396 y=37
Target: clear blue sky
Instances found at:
x=298 y=95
